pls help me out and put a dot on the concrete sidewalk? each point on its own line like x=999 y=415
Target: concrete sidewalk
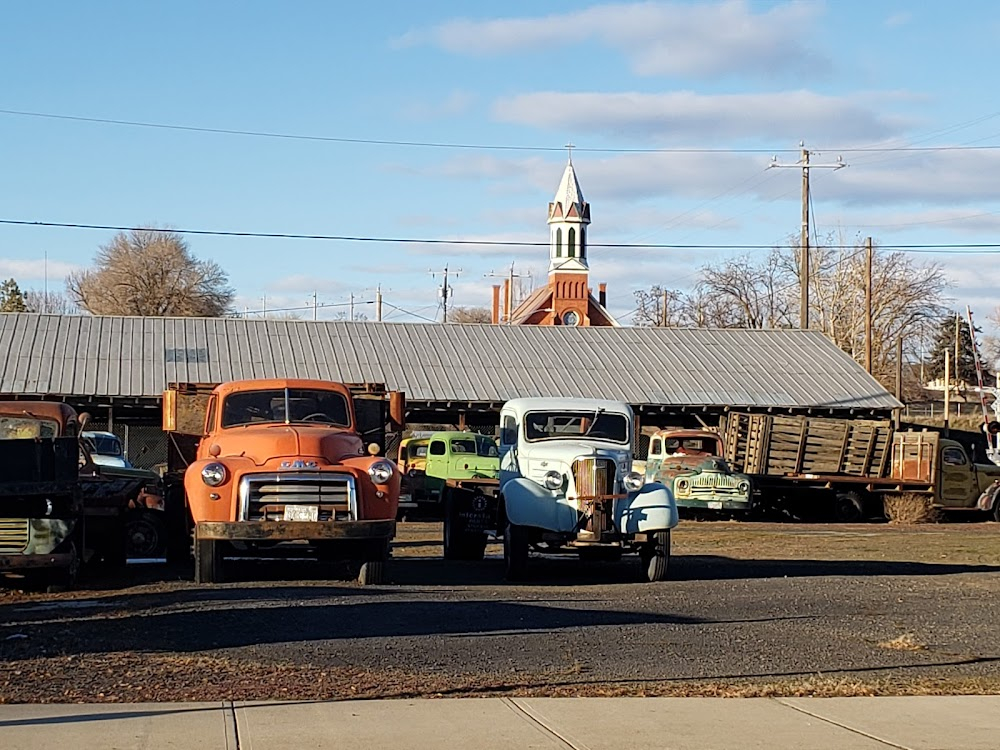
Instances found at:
x=920 y=723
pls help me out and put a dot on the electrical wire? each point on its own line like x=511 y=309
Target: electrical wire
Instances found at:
x=469 y=146
x=956 y=247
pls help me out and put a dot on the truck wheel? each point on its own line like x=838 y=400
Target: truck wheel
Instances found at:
x=207 y=561
x=65 y=578
x=655 y=557
x=145 y=533
x=848 y=507
x=515 y=551
x=372 y=573
x=996 y=508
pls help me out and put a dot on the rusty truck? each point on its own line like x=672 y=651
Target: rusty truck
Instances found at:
x=58 y=508
x=279 y=461
x=863 y=467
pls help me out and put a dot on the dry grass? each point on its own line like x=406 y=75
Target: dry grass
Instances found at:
x=910 y=508
x=905 y=642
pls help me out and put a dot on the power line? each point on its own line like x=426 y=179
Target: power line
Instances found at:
x=968 y=247
x=468 y=146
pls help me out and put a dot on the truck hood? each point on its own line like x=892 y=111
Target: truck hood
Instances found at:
x=267 y=443
x=537 y=459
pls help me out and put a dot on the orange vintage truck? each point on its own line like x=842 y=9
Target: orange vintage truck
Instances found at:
x=283 y=460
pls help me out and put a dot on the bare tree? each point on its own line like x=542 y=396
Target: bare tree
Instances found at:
x=470 y=315
x=151 y=272
x=55 y=303
x=659 y=306
x=743 y=294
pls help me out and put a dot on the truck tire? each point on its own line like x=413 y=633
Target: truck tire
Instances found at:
x=372 y=573
x=848 y=507
x=655 y=557
x=996 y=508
x=145 y=533
x=207 y=561
x=64 y=579
x=515 y=552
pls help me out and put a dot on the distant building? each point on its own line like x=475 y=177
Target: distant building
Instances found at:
x=566 y=299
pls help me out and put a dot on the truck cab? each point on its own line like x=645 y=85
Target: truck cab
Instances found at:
x=41 y=512
x=965 y=485
x=566 y=484
x=690 y=463
x=459 y=455
x=284 y=460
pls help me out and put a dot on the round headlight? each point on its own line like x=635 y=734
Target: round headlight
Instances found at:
x=683 y=485
x=553 y=480
x=380 y=472
x=634 y=481
x=743 y=487
x=213 y=474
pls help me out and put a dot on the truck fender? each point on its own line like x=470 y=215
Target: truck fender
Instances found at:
x=990 y=497
x=651 y=508
x=529 y=504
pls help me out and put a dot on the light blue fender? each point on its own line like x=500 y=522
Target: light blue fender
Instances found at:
x=530 y=504
x=650 y=509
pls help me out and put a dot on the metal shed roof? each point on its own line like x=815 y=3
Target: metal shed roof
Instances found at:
x=77 y=355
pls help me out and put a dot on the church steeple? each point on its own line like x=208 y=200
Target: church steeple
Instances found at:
x=569 y=215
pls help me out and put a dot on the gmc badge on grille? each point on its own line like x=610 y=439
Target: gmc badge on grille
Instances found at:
x=299 y=464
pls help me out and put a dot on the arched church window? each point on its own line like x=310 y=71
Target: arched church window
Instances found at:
x=583 y=242
x=559 y=242
x=571 y=243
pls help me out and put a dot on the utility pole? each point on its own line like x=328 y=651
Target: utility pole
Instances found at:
x=378 y=303
x=958 y=334
x=314 y=305
x=899 y=375
x=510 y=276
x=663 y=308
x=805 y=166
x=444 y=292
x=868 y=307
x=263 y=306
x=352 y=307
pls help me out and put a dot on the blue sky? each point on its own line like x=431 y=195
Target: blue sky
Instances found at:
x=724 y=84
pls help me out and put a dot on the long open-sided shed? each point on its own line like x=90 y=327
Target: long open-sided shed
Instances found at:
x=123 y=364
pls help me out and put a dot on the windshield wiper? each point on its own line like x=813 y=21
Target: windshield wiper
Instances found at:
x=597 y=413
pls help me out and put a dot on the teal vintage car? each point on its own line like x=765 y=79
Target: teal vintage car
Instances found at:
x=691 y=463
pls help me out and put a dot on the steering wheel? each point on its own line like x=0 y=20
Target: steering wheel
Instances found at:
x=317 y=416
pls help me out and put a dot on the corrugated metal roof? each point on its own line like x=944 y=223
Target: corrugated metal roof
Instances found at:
x=67 y=355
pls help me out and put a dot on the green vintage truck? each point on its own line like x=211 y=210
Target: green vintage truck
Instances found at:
x=690 y=463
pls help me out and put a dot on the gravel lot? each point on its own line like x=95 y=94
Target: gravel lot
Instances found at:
x=753 y=609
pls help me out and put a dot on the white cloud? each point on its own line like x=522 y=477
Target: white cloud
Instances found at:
x=658 y=38
x=903 y=18
x=455 y=104
x=685 y=115
x=36 y=271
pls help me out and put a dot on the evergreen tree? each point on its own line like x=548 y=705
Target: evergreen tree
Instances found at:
x=11 y=297
x=944 y=340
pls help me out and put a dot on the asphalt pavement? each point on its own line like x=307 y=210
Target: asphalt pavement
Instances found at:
x=910 y=723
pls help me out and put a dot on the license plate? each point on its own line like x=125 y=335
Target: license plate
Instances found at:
x=301 y=513
x=715 y=504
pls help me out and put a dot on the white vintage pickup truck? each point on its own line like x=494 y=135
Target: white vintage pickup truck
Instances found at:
x=567 y=485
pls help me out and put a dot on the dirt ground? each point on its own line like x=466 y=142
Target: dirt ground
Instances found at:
x=753 y=609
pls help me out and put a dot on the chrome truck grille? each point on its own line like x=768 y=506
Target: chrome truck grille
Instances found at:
x=594 y=477
x=714 y=484
x=264 y=497
x=13 y=535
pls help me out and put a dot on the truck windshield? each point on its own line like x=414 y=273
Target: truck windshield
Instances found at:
x=288 y=405
x=17 y=428
x=477 y=444
x=105 y=445
x=550 y=425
